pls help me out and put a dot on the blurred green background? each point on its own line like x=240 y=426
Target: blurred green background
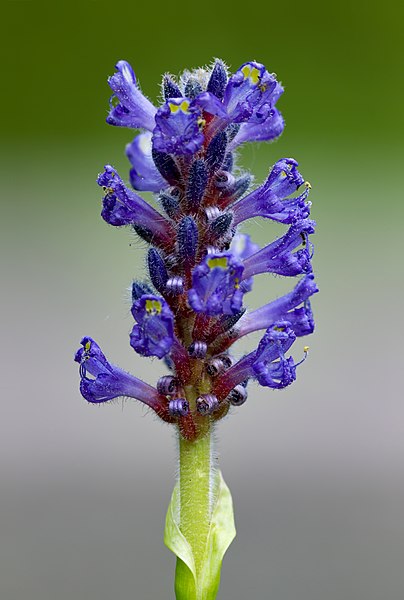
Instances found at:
x=316 y=471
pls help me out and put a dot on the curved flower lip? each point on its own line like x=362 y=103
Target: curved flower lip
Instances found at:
x=122 y=206
x=134 y=109
x=280 y=256
x=251 y=93
x=270 y=371
x=277 y=340
x=109 y=381
x=216 y=285
x=273 y=199
x=270 y=129
x=144 y=175
x=178 y=127
x=154 y=333
x=284 y=308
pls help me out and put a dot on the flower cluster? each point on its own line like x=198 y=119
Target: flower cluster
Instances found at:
x=200 y=267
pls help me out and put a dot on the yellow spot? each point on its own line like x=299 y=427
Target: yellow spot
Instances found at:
x=255 y=75
x=87 y=346
x=201 y=123
x=306 y=349
x=251 y=73
x=153 y=307
x=237 y=283
x=174 y=108
x=308 y=185
x=217 y=262
x=279 y=329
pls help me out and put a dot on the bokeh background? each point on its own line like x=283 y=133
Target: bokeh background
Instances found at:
x=316 y=471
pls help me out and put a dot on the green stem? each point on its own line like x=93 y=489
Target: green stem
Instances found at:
x=195 y=493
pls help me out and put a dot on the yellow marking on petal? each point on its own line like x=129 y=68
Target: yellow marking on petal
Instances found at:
x=255 y=75
x=306 y=349
x=279 y=329
x=246 y=70
x=218 y=262
x=237 y=283
x=153 y=307
x=308 y=185
x=174 y=108
x=87 y=346
x=201 y=123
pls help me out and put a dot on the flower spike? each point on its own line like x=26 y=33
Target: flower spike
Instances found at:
x=192 y=309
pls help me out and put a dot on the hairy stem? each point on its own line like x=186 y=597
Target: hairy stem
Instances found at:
x=195 y=493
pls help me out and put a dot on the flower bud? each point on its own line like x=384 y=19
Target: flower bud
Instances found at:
x=206 y=404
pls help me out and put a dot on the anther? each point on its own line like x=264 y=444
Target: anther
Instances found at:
x=167 y=385
x=206 y=404
x=178 y=407
x=197 y=349
x=238 y=395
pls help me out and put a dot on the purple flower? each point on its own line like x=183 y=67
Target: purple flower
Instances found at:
x=270 y=366
x=121 y=206
x=133 y=108
x=267 y=131
x=216 y=285
x=154 y=333
x=284 y=308
x=280 y=256
x=251 y=93
x=144 y=175
x=272 y=200
x=267 y=364
x=108 y=381
x=199 y=264
x=178 y=127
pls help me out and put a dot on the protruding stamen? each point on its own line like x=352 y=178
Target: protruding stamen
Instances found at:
x=197 y=349
x=306 y=352
x=178 y=407
x=206 y=404
x=167 y=385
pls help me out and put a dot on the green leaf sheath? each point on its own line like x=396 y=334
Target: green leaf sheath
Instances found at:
x=200 y=522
